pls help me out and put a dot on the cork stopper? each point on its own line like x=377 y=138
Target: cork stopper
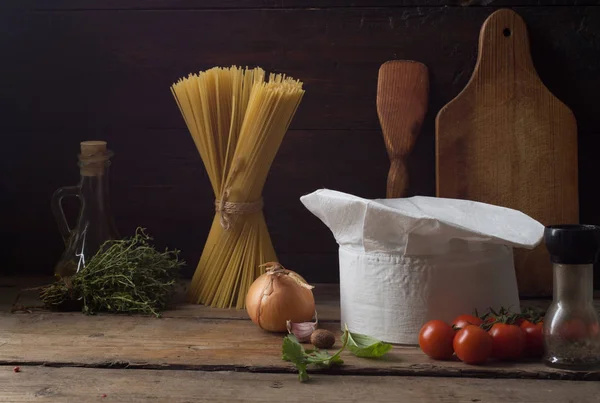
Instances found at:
x=93 y=148
x=93 y=157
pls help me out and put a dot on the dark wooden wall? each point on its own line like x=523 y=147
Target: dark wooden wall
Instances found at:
x=74 y=70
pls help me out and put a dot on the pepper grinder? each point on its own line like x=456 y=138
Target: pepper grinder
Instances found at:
x=571 y=326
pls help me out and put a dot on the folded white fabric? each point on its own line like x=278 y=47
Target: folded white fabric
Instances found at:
x=406 y=261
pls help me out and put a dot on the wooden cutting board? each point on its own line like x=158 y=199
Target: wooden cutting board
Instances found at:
x=506 y=140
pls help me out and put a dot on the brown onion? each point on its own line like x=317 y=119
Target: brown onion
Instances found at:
x=277 y=296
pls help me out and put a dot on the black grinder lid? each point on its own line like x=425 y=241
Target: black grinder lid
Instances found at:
x=573 y=244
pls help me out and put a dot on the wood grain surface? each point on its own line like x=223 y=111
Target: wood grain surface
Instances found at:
x=71 y=340
x=201 y=338
x=101 y=69
x=66 y=385
x=402 y=97
x=507 y=140
x=13 y=291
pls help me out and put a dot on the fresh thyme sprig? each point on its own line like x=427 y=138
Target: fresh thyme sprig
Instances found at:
x=125 y=276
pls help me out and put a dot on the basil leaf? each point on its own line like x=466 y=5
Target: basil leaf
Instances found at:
x=366 y=346
x=293 y=351
x=323 y=359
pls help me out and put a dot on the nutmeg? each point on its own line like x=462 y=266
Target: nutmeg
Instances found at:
x=322 y=338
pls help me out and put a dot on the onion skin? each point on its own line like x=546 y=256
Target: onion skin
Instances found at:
x=276 y=297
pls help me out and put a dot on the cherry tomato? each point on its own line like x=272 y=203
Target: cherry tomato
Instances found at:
x=465 y=320
x=509 y=341
x=435 y=339
x=534 y=338
x=473 y=345
x=572 y=330
x=520 y=321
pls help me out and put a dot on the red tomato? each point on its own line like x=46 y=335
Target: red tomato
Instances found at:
x=520 y=321
x=465 y=320
x=435 y=339
x=473 y=345
x=534 y=338
x=509 y=341
x=572 y=330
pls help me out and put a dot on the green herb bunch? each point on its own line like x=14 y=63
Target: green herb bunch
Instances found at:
x=125 y=276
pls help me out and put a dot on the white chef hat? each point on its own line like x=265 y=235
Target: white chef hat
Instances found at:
x=406 y=261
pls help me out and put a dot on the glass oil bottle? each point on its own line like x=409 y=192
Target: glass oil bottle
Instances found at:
x=95 y=224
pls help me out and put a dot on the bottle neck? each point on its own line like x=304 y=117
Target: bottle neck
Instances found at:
x=573 y=282
x=94 y=185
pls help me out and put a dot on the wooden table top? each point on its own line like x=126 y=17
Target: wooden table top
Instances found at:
x=196 y=353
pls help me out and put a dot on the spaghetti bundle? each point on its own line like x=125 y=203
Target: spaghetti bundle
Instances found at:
x=237 y=120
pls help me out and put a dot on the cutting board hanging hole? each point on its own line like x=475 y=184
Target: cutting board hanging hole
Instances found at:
x=507 y=32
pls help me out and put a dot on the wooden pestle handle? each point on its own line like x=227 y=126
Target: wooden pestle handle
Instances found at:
x=402 y=96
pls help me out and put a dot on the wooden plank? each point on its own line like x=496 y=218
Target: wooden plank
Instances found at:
x=72 y=79
x=128 y=69
x=327 y=296
x=198 y=337
x=82 y=385
x=104 y=341
x=174 y=200
x=41 y=5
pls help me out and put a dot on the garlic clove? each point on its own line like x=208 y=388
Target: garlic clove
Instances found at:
x=302 y=330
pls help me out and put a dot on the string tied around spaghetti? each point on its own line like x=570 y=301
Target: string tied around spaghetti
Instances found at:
x=229 y=209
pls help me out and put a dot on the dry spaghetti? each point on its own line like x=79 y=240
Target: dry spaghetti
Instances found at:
x=237 y=120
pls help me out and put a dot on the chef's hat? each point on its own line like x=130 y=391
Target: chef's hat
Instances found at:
x=406 y=261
